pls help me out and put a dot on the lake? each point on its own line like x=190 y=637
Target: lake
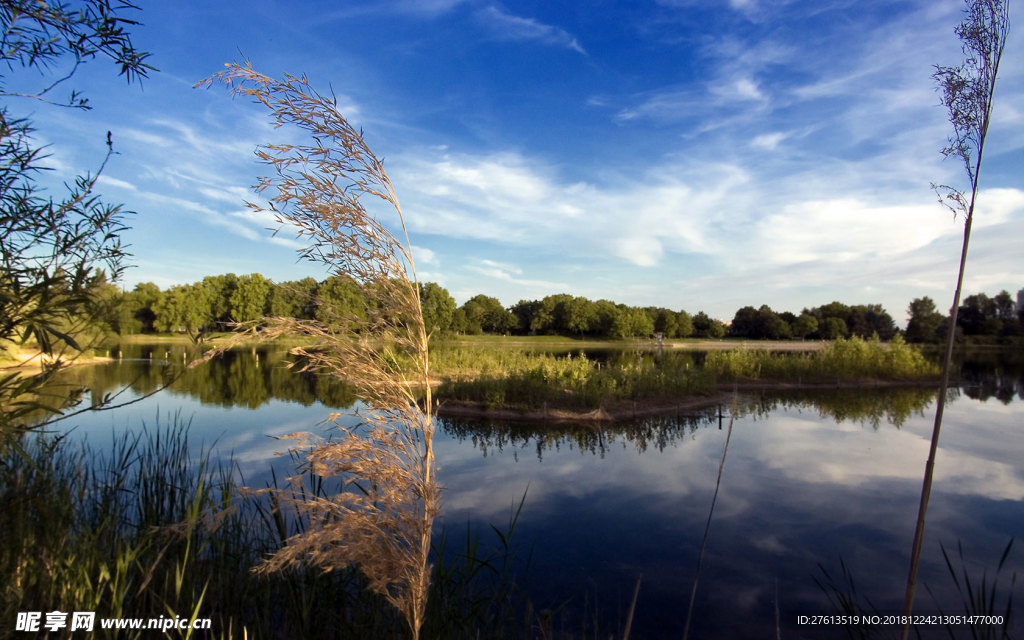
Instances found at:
x=812 y=482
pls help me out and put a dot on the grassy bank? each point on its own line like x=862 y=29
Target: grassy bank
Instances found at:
x=149 y=530
x=848 y=360
x=525 y=380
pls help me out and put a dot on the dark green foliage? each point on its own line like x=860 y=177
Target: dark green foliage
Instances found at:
x=135 y=309
x=293 y=299
x=980 y=315
x=706 y=327
x=632 y=323
x=524 y=311
x=804 y=325
x=340 y=301
x=925 y=324
x=684 y=325
x=484 y=314
x=759 y=324
x=863 y=320
x=832 y=328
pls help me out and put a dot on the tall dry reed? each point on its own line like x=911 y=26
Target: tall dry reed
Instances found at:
x=382 y=522
x=967 y=93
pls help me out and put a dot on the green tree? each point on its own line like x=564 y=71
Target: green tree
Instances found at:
x=605 y=312
x=684 y=325
x=438 y=307
x=666 y=322
x=524 y=311
x=249 y=300
x=460 y=323
x=833 y=328
x=549 y=314
x=219 y=290
x=804 y=325
x=632 y=322
x=925 y=322
x=341 y=302
x=580 y=315
x=184 y=309
x=1006 y=308
x=135 y=311
x=488 y=314
x=705 y=326
x=975 y=315
x=294 y=299
x=745 y=323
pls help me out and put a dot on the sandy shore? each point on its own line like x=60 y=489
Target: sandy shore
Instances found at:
x=27 y=360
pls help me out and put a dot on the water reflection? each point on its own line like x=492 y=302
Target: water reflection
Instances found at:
x=248 y=378
x=799 y=491
x=498 y=436
x=993 y=374
x=812 y=477
x=253 y=377
x=874 y=407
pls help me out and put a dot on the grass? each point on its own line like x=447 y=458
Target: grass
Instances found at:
x=151 y=529
x=852 y=359
x=529 y=379
x=526 y=380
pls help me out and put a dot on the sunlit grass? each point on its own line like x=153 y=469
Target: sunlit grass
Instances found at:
x=844 y=360
x=525 y=379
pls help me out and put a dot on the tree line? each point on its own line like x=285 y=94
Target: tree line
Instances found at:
x=978 y=315
x=217 y=302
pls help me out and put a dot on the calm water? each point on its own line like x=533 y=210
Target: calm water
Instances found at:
x=811 y=482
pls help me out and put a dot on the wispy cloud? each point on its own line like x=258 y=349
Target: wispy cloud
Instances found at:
x=709 y=106
x=514 y=200
x=506 y=26
x=510 y=273
x=424 y=256
x=768 y=141
x=114 y=182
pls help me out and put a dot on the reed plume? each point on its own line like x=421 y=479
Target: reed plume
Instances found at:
x=382 y=523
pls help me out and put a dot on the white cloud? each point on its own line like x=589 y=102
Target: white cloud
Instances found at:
x=509 y=272
x=507 y=26
x=114 y=182
x=738 y=89
x=229 y=194
x=512 y=200
x=424 y=256
x=768 y=141
x=845 y=229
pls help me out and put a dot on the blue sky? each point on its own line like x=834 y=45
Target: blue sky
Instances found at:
x=694 y=154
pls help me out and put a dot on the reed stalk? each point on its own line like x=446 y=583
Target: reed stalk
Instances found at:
x=381 y=523
x=967 y=93
x=707 y=526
